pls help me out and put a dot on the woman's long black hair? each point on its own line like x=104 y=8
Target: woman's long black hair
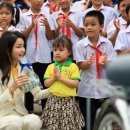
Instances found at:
x=7 y=42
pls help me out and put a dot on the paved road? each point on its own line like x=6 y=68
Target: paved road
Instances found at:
x=38 y=109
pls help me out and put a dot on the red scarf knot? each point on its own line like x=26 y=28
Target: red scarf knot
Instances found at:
x=36 y=29
x=98 y=66
x=65 y=29
x=54 y=7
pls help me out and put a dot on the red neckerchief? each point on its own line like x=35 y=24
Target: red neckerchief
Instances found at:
x=98 y=54
x=36 y=29
x=65 y=29
x=54 y=7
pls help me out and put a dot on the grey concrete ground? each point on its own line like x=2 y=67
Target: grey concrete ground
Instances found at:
x=38 y=110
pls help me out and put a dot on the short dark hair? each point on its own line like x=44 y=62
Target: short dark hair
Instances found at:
x=127 y=9
x=96 y=14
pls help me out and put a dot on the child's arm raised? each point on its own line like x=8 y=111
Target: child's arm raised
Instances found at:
x=103 y=59
x=85 y=64
x=27 y=31
x=57 y=30
x=124 y=52
x=78 y=31
x=49 y=33
x=114 y=36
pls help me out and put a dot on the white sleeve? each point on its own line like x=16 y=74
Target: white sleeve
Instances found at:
x=49 y=18
x=111 y=53
x=79 y=52
x=21 y=25
x=110 y=29
x=120 y=42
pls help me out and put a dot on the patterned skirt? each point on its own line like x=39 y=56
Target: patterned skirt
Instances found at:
x=62 y=113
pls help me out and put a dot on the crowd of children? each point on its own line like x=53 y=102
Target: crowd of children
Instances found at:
x=66 y=46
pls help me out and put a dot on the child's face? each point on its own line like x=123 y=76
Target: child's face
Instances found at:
x=18 y=51
x=122 y=8
x=92 y=27
x=36 y=4
x=97 y=2
x=107 y=2
x=61 y=54
x=64 y=3
x=5 y=16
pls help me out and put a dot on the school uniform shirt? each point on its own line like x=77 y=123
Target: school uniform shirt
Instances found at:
x=14 y=103
x=41 y=53
x=11 y=28
x=108 y=13
x=80 y=5
x=68 y=70
x=116 y=10
x=76 y=17
x=111 y=27
x=46 y=6
x=88 y=88
x=123 y=40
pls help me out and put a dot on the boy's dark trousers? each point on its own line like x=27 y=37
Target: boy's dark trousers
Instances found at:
x=39 y=69
x=95 y=104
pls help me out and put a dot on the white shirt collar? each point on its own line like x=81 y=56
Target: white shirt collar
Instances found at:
x=71 y=10
x=101 y=8
x=100 y=40
x=122 y=21
x=31 y=13
x=83 y=1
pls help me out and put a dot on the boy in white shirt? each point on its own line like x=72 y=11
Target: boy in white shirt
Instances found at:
x=51 y=6
x=68 y=21
x=92 y=54
x=108 y=13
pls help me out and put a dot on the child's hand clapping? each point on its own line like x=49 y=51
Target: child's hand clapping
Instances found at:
x=117 y=24
x=44 y=21
x=103 y=59
x=91 y=59
x=4 y=26
x=59 y=21
x=34 y=19
x=68 y=22
x=57 y=74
